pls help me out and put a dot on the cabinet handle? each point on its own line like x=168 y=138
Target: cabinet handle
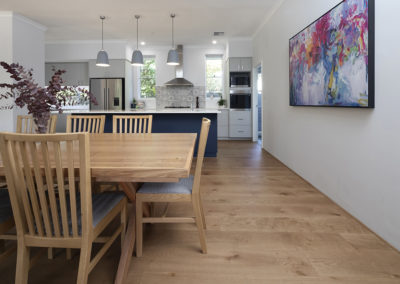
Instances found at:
x=240 y=131
x=240 y=118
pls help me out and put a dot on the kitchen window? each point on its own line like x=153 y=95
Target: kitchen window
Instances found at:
x=147 y=78
x=214 y=75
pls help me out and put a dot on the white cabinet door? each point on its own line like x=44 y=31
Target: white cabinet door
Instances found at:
x=240 y=123
x=223 y=124
x=240 y=117
x=239 y=131
x=234 y=64
x=246 y=64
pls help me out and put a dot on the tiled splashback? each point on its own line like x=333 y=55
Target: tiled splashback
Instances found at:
x=180 y=96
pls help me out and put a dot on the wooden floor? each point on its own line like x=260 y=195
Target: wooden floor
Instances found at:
x=265 y=225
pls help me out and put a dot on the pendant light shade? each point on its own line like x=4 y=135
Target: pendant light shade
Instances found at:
x=173 y=57
x=137 y=56
x=102 y=56
x=102 y=59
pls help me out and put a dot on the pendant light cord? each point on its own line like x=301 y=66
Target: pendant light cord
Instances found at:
x=173 y=43
x=137 y=33
x=102 y=31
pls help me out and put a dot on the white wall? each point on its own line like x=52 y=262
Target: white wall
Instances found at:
x=193 y=63
x=240 y=48
x=22 y=41
x=75 y=51
x=351 y=155
x=6 y=116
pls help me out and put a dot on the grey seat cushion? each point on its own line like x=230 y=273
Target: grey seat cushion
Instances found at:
x=5 y=206
x=184 y=186
x=102 y=204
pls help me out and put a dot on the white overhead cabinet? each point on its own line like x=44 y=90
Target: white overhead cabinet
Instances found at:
x=76 y=74
x=240 y=64
x=115 y=70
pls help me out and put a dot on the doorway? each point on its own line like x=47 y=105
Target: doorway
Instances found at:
x=258 y=103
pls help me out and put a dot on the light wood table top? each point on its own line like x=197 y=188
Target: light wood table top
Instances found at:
x=163 y=157
x=141 y=157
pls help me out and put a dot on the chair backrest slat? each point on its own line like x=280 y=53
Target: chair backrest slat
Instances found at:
x=72 y=190
x=34 y=164
x=26 y=165
x=26 y=124
x=205 y=127
x=85 y=123
x=20 y=183
x=50 y=188
x=61 y=189
x=132 y=123
x=40 y=188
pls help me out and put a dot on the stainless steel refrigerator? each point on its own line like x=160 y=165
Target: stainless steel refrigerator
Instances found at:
x=109 y=94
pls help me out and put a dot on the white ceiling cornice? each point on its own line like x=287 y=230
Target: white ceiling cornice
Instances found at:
x=268 y=17
x=86 y=41
x=29 y=22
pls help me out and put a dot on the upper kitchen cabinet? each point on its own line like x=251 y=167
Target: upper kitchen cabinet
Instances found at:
x=77 y=73
x=240 y=64
x=115 y=70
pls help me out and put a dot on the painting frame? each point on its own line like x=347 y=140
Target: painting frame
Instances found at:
x=371 y=60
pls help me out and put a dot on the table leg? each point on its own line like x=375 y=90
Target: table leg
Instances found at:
x=129 y=242
x=126 y=253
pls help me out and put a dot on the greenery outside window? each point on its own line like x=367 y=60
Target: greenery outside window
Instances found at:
x=147 y=78
x=214 y=76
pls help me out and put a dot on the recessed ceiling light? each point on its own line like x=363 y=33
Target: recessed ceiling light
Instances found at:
x=142 y=43
x=214 y=42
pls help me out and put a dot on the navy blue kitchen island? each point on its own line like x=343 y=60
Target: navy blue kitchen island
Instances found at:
x=185 y=121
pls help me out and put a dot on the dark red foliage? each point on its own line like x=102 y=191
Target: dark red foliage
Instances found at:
x=38 y=100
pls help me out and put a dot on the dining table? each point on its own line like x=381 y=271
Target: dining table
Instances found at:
x=131 y=159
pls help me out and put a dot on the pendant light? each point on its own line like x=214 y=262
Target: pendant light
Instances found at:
x=137 y=56
x=173 y=57
x=102 y=56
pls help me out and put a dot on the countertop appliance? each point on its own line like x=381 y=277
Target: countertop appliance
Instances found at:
x=240 y=98
x=240 y=79
x=109 y=93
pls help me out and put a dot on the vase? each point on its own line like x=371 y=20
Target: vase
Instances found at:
x=41 y=120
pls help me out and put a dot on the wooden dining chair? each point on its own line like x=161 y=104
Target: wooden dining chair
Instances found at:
x=186 y=190
x=69 y=218
x=85 y=123
x=26 y=124
x=132 y=123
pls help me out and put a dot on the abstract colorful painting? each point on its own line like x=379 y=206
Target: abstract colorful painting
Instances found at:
x=331 y=61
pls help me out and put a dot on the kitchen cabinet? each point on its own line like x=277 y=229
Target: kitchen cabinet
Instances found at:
x=240 y=64
x=76 y=74
x=239 y=123
x=115 y=70
x=223 y=124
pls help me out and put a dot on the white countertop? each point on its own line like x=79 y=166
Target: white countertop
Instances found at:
x=133 y=111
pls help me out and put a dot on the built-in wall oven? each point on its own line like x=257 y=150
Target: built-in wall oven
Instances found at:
x=240 y=79
x=240 y=98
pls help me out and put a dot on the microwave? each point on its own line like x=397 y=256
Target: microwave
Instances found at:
x=240 y=79
x=240 y=99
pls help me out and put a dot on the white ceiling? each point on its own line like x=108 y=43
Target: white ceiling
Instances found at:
x=195 y=22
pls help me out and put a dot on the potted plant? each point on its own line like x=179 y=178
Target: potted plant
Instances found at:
x=40 y=101
x=221 y=102
x=133 y=104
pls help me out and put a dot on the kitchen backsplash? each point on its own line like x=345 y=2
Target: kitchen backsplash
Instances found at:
x=180 y=96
